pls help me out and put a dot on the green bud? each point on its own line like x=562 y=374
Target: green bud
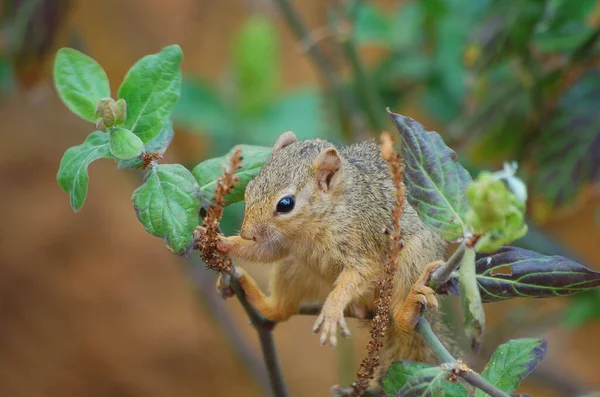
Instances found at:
x=497 y=210
x=110 y=113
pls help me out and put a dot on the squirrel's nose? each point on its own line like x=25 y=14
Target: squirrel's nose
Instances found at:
x=253 y=231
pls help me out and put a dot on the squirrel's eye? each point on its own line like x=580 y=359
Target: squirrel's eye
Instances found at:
x=285 y=205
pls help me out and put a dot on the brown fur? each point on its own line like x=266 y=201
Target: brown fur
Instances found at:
x=333 y=240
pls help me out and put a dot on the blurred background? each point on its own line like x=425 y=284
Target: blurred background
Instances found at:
x=91 y=305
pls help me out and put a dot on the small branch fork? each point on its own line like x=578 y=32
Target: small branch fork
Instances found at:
x=206 y=239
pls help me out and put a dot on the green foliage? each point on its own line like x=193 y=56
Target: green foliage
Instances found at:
x=298 y=111
x=208 y=172
x=512 y=362
x=255 y=55
x=73 y=175
x=371 y=25
x=80 y=82
x=583 y=309
x=124 y=144
x=569 y=146
x=7 y=83
x=471 y=301
x=158 y=144
x=413 y=377
x=167 y=204
x=151 y=89
x=513 y=272
x=435 y=180
x=565 y=29
x=201 y=107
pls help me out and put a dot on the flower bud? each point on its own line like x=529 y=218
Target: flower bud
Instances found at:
x=110 y=113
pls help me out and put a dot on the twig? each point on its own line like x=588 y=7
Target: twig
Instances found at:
x=433 y=341
x=444 y=272
x=205 y=284
x=458 y=369
x=320 y=60
x=382 y=318
x=206 y=240
x=371 y=99
x=452 y=365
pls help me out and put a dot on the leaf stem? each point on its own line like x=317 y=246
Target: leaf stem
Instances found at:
x=314 y=52
x=433 y=341
x=473 y=378
x=452 y=365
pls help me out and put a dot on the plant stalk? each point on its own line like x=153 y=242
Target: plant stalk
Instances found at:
x=433 y=341
x=443 y=273
x=474 y=379
x=452 y=365
x=264 y=329
x=314 y=52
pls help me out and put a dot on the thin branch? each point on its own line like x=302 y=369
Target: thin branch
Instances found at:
x=205 y=284
x=458 y=369
x=267 y=344
x=444 y=272
x=367 y=93
x=452 y=365
x=322 y=63
x=433 y=341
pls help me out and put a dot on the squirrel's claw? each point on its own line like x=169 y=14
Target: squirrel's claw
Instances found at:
x=420 y=296
x=223 y=287
x=328 y=324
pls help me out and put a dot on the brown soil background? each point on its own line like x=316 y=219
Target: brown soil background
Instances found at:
x=91 y=305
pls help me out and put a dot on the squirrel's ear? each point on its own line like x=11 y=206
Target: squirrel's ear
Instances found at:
x=328 y=167
x=285 y=139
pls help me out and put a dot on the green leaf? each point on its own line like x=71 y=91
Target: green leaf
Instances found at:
x=471 y=300
x=583 y=309
x=573 y=136
x=566 y=39
x=208 y=172
x=299 y=111
x=435 y=180
x=566 y=12
x=168 y=204
x=201 y=108
x=80 y=82
x=151 y=90
x=372 y=25
x=124 y=144
x=158 y=144
x=400 y=372
x=73 y=175
x=512 y=362
x=255 y=62
x=513 y=272
x=7 y=77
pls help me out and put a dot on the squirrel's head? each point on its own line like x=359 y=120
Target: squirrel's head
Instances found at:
x=293 y=192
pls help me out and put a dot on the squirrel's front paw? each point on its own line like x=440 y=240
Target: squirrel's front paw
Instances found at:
x=327 y=323
x=420 y=297
x=224 y=287
x=223 y=245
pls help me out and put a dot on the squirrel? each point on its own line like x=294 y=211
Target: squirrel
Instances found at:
x=319 y=214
